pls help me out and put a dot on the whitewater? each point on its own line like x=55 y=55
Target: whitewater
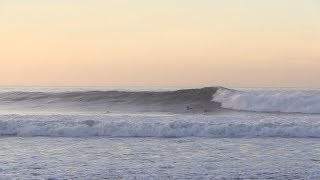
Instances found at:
x=164 y=126
x=204 y=133
x=299 y=101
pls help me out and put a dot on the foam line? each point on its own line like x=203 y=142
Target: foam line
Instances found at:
x=159 y=126
x=277 y=101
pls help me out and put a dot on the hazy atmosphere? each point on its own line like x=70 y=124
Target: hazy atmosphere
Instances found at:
x=159 y=89
x=167 y=43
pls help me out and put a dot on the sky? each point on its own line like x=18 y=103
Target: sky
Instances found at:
x=167 y=43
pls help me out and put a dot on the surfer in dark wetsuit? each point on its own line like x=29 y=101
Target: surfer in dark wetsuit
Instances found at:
x=188 y=108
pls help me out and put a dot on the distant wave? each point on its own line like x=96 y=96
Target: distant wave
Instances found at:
x=160 y=126
x=261 y=101
x=186 y=100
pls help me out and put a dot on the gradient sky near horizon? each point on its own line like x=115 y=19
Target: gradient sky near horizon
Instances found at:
x=164 y=43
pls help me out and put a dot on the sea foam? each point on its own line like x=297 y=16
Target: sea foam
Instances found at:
x=272 y=101
x=217 y=126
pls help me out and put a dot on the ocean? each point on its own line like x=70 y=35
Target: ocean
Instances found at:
x=206 y=133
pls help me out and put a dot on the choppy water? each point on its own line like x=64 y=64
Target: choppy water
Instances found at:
x=210 y=133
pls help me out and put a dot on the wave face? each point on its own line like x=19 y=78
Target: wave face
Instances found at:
x=274 y=101
x=217 y=126
x=187 y=100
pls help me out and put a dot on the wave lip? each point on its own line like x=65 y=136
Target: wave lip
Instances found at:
x=159 y=126
x=282 y=101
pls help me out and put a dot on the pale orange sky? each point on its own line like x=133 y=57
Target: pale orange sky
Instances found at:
x=167 y=43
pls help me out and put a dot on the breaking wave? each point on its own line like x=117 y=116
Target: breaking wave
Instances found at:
x=272 y=101
x=160 y=126
x=209 y=99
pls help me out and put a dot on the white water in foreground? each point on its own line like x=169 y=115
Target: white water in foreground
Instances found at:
x=270 y=101
x=233 y=125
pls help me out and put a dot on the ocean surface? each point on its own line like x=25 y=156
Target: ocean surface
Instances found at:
x=205 y=133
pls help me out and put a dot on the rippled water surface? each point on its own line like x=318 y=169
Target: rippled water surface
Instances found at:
x=158 y=158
